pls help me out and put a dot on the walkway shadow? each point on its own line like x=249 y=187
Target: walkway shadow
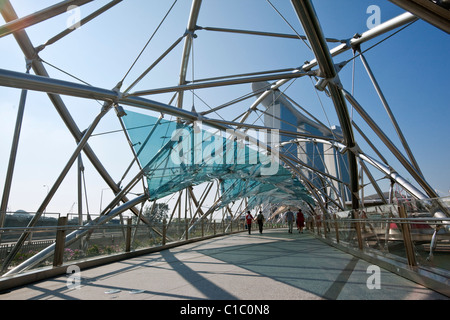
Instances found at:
x=284 y=259
x=202 y=284
x=303 y=262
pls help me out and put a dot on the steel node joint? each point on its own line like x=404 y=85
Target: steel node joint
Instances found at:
x=323 y=83
x=190 y=33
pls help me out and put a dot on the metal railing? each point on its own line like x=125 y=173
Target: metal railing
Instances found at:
x=412 y=233
x=397 y=232
x=114 y=238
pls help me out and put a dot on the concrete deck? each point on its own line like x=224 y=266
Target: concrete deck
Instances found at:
x=274 y=265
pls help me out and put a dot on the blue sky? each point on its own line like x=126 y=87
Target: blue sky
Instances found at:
x=411 y=67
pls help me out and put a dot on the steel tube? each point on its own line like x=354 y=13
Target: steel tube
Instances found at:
x=355 y=42
x=146 y=104
x=248 y=74
x=195 y=10
x=74 y=236
x=392 y=174
x=390 y=114
x=64 y=33
x=262 y=33
x=381 y=29
x=12 y=158
x=308 y=185
x=416 y=175
x=384 y=168
x=80 y=171
x=154 y=64
x=27 y=47
x=192 y=86
x=307 y=16
x=374 y=182
x=52 y=86
x=37 y=17
x=370 y=143
x=258 y=127
x=10 y=78
x=43 y=84
x=55 y=186
x=261 y=98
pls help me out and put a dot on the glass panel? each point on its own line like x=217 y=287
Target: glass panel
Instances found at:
x=382 y=230
x=178 y=155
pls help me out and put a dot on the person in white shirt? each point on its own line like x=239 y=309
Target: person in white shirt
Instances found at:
x=290 y=219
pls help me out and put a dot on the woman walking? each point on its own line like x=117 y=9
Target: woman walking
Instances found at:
x=249 y=219
x=300 y=221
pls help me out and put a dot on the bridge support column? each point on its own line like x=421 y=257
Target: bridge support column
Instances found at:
x=58 y=257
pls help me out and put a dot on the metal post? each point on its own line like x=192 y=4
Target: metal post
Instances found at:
x=37 y=17
x=60 y=242
x=357 y=226
x=80 y=192
x=128 y=235
x=12 y=157
x=317 y=223
x=407 y=240
x=56 y=185
x=179 y=212
x=164 y=232
x=336 y=227
x=203 y=227
x=77 y=234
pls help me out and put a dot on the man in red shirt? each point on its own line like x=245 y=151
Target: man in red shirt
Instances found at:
x=249 y=219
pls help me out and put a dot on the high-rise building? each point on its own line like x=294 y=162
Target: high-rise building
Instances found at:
x=281 y=114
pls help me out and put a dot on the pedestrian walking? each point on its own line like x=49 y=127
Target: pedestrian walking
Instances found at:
x=290 y=220
x=249 y=219
x=300 y=221
x=260 y=219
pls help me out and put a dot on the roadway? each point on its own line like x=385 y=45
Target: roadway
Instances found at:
x=274 y=265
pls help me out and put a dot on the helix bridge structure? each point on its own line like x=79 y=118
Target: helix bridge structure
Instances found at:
x=155 y=110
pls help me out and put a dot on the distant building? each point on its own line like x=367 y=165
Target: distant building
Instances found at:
x=281 y=114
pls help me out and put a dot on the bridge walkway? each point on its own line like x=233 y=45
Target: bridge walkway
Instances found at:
x=275 y=265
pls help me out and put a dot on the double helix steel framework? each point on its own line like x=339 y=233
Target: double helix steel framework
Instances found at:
x=320 y=167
